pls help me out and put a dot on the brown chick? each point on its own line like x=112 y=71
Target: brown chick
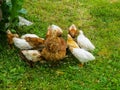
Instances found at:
x=55 y=48
x=36 y=43
x=10 y=37
x=73 y=31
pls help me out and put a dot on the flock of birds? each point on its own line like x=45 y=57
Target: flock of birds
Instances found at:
x=53 y=48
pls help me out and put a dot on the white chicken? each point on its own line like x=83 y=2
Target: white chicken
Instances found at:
x=21 y=43
x=81 y=54
x=31 y=56
x=84 y=42
x=29 y=43
x=26 y=42
x=54 y=27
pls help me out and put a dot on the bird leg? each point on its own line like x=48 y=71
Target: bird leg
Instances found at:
x=81 y=64
x=30 y=63
x=10 y=46
x=54 y=64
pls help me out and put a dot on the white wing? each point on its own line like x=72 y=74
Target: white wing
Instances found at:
x=21 y=43
x=31 y=54
x=85 y=43
x=82 y=55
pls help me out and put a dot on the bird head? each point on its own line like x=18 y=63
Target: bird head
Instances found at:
x=73 y=30
x=8 y=32
x=54 y=29
x=80 y=32
x=72 y=27
x=11 y=34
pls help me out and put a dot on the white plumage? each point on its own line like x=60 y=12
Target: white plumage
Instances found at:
x=32 y=55
x=21 y=43
x=84 y=42
x=55 y=27
x=29 y=35
x=82 y=55
x=27 y=41
x=23 y=21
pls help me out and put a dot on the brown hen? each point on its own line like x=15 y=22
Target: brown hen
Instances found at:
x=55 y=48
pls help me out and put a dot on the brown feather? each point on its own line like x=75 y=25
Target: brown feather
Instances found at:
x=35 y=42
x=55 y=49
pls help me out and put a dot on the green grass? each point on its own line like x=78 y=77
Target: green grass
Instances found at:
x=100 y=21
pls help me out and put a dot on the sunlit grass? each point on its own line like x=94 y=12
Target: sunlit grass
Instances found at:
x=100 y=21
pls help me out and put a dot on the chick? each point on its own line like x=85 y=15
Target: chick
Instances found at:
x=84 y=42
x=55 y=48
x=81 y=54
x=31 y=56
x=26 y=42
x=73 y=31
x=52 y=28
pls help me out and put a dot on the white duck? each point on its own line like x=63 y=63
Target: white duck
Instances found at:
x=84 y=42
x=81 y=54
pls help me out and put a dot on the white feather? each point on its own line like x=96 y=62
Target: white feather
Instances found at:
x=55 y=27
x=29 y=35
x=82 y=55
x=21 y=43
x=23 y=21
x=31 y=55
x=84 y=42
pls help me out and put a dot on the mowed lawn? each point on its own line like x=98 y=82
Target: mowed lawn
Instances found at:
x=100 y=21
